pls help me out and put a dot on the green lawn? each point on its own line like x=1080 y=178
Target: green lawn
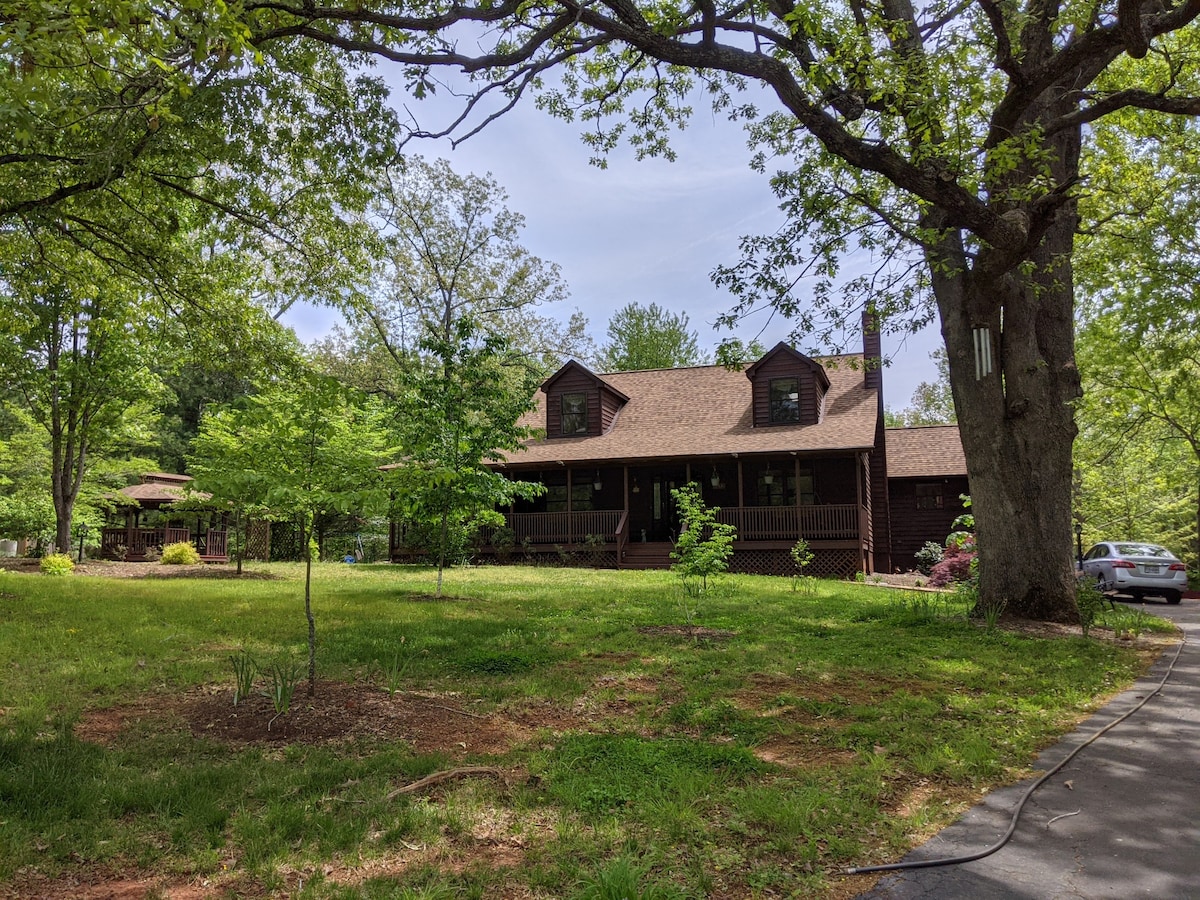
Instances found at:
x=801 y=735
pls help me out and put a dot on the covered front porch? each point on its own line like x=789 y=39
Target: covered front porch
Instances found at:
x=624 y=515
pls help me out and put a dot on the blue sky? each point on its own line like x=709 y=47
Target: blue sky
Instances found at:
x=646 y=232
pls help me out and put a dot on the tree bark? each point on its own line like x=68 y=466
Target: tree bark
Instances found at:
x=1017 y=421
x=306 y=538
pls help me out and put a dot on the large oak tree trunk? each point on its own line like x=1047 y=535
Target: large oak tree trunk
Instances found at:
x=1018 y=419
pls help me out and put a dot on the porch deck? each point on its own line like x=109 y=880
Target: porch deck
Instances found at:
x=839 y=535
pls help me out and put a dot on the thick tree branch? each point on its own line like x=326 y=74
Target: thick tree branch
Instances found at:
x=1004 y=55
x=1136 y=99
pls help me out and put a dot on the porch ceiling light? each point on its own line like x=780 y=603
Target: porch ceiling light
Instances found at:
x=716 y=478
x=597 y=484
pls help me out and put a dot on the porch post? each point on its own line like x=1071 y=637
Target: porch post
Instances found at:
x=570 y=506
x=863 y=561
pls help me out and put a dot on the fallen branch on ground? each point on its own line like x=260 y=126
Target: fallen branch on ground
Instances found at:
x=447 y=775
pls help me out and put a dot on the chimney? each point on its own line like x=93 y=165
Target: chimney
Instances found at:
x=872 y=353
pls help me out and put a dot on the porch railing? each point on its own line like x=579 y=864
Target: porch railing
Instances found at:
x=175 y=535
x=622 y=534
x=834 y=521
x=215 y=545
x=565 y=528
x=120 y=542
x=754 y=523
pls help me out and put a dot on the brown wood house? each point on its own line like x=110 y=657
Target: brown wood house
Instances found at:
x=790 y=447
x=927 y=478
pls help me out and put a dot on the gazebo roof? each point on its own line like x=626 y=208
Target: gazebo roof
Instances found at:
x=159 y=489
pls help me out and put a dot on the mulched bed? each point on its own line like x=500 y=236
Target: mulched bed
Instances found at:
x=109 y=569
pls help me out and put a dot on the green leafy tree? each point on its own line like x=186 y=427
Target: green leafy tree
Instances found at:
x=736 y=354
x=453 y=251
x=127 y=125
x=461 y=412
x=946 y=139
x=704 y=545
x=74 y=356
x=932 y=402
x=1139 y=457
x=649 y=337
x=26 y=509
x=301 y=446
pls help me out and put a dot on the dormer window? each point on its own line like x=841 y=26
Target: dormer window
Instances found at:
x=580 y=404
x=784 y=400
x=789 y=388
x=574 y=413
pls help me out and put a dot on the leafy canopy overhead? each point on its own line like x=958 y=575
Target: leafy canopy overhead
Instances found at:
x=882 y=112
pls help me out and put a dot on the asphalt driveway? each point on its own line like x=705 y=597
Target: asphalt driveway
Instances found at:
x=1122 y=819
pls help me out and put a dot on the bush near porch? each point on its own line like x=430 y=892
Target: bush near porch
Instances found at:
x=781 y=740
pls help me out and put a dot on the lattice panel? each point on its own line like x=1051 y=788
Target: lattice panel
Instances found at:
x=258 y=540
x=579 y=559
x=834 y=564
x=761 y=562
x=825 y=563
x=285 y=542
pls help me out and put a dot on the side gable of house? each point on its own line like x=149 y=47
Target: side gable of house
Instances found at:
x=580 y=403
x=927 y=475
x=788 y=388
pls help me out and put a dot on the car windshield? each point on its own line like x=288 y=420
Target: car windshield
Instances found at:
x=1143 y=550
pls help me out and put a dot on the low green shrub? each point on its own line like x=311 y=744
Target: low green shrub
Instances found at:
x=57 y=564
x=180 y=554
x=929 y=556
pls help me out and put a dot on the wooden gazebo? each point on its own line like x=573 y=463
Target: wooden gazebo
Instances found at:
x=156 y=494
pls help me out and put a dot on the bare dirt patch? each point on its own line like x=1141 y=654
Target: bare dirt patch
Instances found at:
x=695 y=632
x=801 y=753
x=337 y=713
x=102 y=884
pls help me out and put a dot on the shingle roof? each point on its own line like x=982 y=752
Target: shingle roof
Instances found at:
x=160 y=488
x=933 y=451
x=705 y=411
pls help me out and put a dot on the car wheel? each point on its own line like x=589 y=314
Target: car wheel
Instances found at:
x=1173 y=597
x=1101 y=586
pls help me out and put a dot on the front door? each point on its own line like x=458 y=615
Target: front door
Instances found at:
x=652 y=514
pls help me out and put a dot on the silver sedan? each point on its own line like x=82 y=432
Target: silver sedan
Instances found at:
x=1136 y=569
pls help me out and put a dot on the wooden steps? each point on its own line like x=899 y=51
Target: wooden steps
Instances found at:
x=647 y=556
